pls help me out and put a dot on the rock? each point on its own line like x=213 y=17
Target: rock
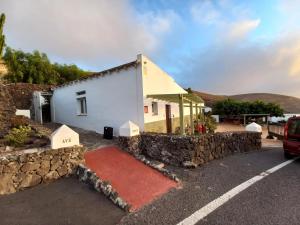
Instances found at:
x=17 y=178
x=11 y=167
x=30 y=180
x=55 y=165
x=44 y=169
x=52 y=175
x=62 y=170
x=1 y=168
x=6 y=184
x=189 y=164
x=30 y=166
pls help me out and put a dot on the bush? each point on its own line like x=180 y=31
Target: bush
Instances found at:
x=208 y=121
x=18 y=136
x=18 y=121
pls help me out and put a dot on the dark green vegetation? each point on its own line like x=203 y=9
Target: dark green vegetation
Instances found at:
x=289 y=104
x=230 y=107
x=2 y=37
x=36 y=68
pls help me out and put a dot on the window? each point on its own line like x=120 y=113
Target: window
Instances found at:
x=80 y=93
x=294 y=127
x=82 y=109
x=81 y=103
x=145 y=109
x=154 y=108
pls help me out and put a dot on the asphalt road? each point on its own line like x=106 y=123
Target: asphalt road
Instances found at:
x=66 y=201
x=273 y=200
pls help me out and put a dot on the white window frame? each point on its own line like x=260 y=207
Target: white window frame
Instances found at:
x=154 y=108
x=81 y=103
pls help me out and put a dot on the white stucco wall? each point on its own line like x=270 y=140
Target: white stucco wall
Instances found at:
x=156 y=81
x=149 y=117
x=111 y=101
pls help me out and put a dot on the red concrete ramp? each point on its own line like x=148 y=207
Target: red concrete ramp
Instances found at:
x=135 y=182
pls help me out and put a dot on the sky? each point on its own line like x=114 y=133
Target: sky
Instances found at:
x=220 y=47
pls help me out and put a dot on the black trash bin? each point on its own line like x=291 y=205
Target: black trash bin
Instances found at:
x=108 y=133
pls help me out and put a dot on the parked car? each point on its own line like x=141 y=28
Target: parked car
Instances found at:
x=291 y=141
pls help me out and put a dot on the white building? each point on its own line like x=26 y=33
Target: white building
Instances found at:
x=138 y=91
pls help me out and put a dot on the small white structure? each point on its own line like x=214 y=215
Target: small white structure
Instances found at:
x=216 y=117
x=23 y=112
x=254 y=127
x=64 y=137
x=286 y=116
x=129 y=129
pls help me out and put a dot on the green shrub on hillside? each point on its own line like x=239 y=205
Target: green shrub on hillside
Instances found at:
x=18 y=136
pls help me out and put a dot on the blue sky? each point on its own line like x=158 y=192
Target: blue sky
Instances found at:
x=222 y=47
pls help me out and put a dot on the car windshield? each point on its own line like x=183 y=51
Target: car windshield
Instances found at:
x=294 y=127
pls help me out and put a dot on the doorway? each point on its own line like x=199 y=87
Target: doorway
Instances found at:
x=42 y=106
x=168 y=119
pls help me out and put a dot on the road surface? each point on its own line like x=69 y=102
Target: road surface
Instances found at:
x=272 y=200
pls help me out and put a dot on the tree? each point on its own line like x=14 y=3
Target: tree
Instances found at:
x=2 y=37
x=231 y=108
x=29 y=67
x=36 y=68
x=69 y=72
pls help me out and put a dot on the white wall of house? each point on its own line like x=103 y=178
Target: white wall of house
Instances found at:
x=156 y=81
x=111 y=101
x=161 y=112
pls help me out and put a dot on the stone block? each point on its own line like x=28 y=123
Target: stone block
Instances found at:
x=64 y=137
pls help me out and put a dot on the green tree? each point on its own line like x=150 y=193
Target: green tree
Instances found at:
x=2 y=37
x=29 y=67
x=36 y=68
x=69 y=72
x=231 y=108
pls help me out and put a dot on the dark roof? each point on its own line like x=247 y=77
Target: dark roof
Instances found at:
x=102 y=73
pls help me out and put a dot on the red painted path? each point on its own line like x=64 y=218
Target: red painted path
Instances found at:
x=135 y=182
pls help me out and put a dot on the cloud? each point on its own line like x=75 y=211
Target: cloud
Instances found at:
x=92 y=33
x=240 y=29
x=233 y=69
x=204 y=12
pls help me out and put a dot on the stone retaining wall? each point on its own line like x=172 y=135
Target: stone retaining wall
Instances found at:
x=192 y=151
x=28 y=169
x=7 y=110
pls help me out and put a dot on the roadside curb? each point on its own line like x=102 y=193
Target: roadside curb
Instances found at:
x=156 y=166
x=89 y=177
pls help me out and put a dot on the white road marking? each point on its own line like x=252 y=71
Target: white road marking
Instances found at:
x=212 y=206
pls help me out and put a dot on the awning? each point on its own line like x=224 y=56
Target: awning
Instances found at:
x=187 y=98
x=191 y=99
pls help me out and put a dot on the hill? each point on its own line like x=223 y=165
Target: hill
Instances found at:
x=210 y=99
x=288 y=103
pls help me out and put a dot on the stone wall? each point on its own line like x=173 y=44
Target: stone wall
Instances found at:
x=28 y=169
x=194 y=150
x=7 y=110
x=22 y=93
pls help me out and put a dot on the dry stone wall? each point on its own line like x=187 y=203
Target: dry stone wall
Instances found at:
x=191 y=151
x=22 y=93
x=24 y=170
x=7 y=110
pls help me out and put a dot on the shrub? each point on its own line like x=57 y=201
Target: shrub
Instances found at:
x=18 y=136
x=208 y=121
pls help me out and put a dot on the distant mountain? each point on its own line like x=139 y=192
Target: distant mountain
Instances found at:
x=288 y=103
